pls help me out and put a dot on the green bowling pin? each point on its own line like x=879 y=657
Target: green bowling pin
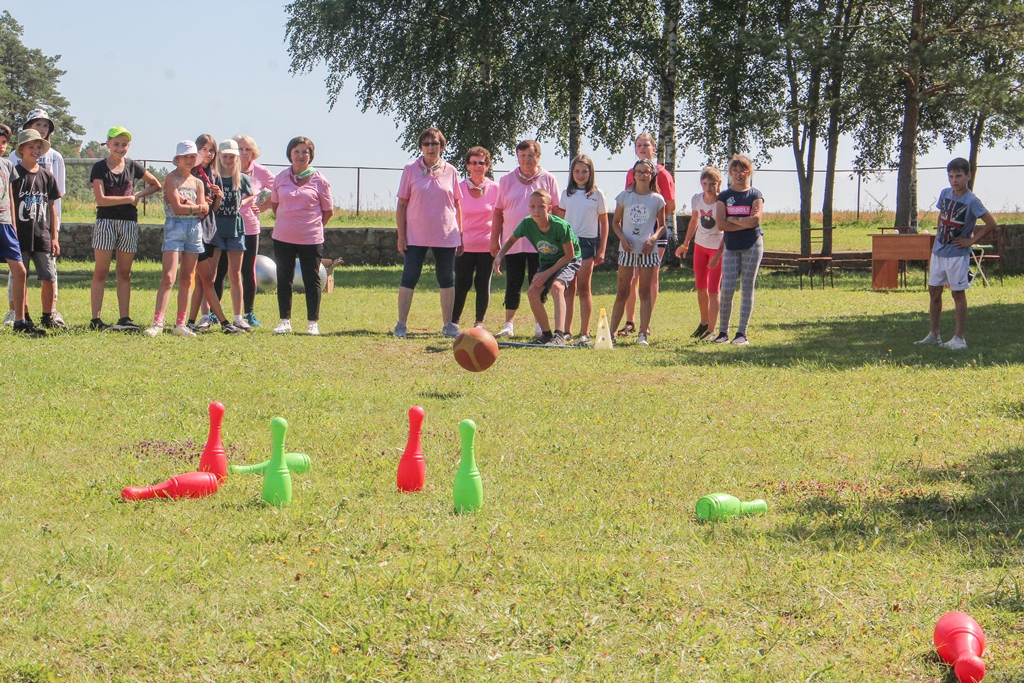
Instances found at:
x=298 y=463
x=722 y=506
x=277 y=480
x=468 y=494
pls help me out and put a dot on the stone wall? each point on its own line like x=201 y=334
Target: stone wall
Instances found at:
x=1012 y=248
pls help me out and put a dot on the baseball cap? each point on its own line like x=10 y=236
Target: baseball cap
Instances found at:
x=31 y=135
x=228 y=147
x=185 y=147
x=35 y=115
x=119 y=130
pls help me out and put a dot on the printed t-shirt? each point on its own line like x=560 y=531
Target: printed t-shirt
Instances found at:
x=550 y=245
x=300 y=208
x=53 y=162
x=229 y=220
x=957 y=218
x=664 y=180
x=118 y=185
x=430 y=217
x=7 y=176
x=639 y=217
x=738 y=205
x=514 y=203
x=582 y=212
x=261 y=179
x=33 y=195
x=708 y=235
x=478 y=216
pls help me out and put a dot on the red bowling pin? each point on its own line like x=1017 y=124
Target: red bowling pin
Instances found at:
x=412 y=469
x=214 y=459
x=188 y=485
x=960 y=642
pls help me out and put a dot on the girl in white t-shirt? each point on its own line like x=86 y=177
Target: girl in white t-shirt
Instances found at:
x=583 y=206
x=707 y=252
x=639 y=222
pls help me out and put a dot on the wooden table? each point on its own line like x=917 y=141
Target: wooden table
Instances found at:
x=888 y=250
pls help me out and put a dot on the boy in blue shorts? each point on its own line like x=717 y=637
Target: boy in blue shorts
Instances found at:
x=959 y=211
x=10 y=250
x=559 y=257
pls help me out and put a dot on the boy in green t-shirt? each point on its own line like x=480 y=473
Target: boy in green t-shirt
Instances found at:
x=559 y=258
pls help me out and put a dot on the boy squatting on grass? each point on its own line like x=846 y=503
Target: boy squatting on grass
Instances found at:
x=959 y=211
x=559 y=257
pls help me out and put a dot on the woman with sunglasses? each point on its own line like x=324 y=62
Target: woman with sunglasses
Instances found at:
x=429 y=216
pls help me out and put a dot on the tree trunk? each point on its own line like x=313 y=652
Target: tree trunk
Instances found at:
x=486 y=87
x=669 y=79
x=911 y=118
x=831 y=160
x=977 y=129
x=913 y=197
x=575 y=109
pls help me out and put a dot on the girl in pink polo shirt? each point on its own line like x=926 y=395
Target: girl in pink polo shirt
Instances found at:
x=429 y=216
x=479 y=193
x=301 y=199
x=513 y=205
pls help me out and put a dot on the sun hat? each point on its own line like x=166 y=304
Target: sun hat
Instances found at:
x=228 y=147
x=36 y=115
x=119 y=130
x=185 y=147
x=31 y=135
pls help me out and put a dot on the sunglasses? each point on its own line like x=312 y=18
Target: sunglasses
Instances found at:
x=430 y=144
x=477 y=163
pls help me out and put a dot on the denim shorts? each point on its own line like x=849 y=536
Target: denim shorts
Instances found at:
x=588 y=247
x=228 y=243
x=10 y=250
x=183 y=233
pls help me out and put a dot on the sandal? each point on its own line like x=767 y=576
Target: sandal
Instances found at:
x=627 y=329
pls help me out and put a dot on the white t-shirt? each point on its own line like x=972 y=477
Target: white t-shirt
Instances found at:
x=582 y=212
x=708 y=235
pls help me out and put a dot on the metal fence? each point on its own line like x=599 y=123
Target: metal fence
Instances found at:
x=369 y=189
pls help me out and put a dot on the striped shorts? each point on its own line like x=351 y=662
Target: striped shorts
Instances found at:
x=633 y=260
x=109 y=234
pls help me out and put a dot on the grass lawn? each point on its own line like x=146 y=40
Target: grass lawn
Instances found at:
x=893 y=474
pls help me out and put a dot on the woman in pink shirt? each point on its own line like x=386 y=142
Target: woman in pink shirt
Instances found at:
x=429 y=216
x=479 y=194
x=511 y=207
x=301 y=199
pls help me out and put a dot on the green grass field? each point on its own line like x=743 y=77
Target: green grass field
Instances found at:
x=893 y=474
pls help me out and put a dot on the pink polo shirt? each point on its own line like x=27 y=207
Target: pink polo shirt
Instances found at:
x=300 y=208
x=260 y=178
x=478 y=216
x=514 y=202
x=430 y=216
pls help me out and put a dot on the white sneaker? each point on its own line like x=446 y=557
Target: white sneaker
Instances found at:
x=450 y=330
x=283 y=327
x=204 y=323
x=57 y=318
x=932 y=338
x=641 y=340
x=400 y=331
x=182 y=331
x=479 y=325
x=313 y=329
x=506 y=331
x=242 y=324
x=154 y=331
x=955 y=344
x=9 y=318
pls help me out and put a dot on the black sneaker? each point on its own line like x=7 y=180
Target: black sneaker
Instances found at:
x=97 y=325
x=231 y=328
x=740 y=339
x=51 y=322
x=26 y=327
x=699 y=332
x=722 y=338
x=125 y=324
x=192 y=327
x=543 y=339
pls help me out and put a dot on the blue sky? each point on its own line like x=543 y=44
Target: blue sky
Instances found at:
x=142 y=67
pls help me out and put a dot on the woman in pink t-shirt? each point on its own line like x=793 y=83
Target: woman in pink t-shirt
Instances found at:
x=647 y=148
x=429 y=216
x=301 y=199
x=479 y=193
x=513 y=205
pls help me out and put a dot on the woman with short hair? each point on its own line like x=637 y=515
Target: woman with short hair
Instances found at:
x=473 y=266
x=429 y=217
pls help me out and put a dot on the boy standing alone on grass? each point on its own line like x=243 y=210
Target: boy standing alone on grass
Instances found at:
x=35 y=193
x=10 y=250
x=959 y=211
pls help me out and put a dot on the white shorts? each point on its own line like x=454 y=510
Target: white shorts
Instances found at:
x=950 y=270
